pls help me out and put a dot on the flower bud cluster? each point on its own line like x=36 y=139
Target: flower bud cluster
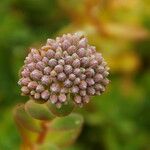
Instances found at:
x=66 y=65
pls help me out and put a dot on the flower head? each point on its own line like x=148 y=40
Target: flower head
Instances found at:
x=66 y=65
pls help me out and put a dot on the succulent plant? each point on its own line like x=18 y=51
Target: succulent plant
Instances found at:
x=65 y=66
x=64 y=73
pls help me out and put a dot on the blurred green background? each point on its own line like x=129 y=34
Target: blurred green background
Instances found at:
x=120 y=118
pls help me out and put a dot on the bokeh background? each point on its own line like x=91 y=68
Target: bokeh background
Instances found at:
x=120 y=118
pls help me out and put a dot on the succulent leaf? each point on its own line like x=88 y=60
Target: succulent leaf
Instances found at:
x=64 y=131
x=26 y=120
x=38 y=111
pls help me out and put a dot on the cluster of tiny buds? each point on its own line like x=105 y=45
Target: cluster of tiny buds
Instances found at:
x=64 y=66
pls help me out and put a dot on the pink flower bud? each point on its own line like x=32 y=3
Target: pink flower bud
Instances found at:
x=75 y=89
x=52 y=62
x=68 y=69
x=71 y=50
x=78 y=99
x=81 y=52
x=37 y=95
x=65 y=53
x=84 y=61
x=99 y=57
x=65 y=45
x=54 y=46
x=64 y=90
x=77 y=81
x=53 y=73
x=75 y=56
x=90 y=90
x=83 y=93
x=55 y=87
x=93 y=49
x=90 y=81
x=45 y=95
x=40 y=88
x=31 y=66
x=24 y=81
x=25 y=73
x=58 y=105
x=28 y=59
x=58 y=55
x=67 y=83
x=61 y=62
x=25 y=90
x=34 y=51
x=36 y=75
x=100 y=69
x=105 y=81
x=46 y=80
x=104 y=63
x=47 y=70
x=40 y=65
x=62 y=97
x=58 y=68
x=77 y=71
x=83 y=85
x=45 y=60
x=32 y=85
x=32 y=93
x=93 y=63
x=82 y=76
x=53 y=98
x=89 y=72
x=105 y=73
x=68 y=60
x=86 y=99
x=72 y=77
x=98 y=78
x=50 y=54
x=45 y=47
x=76 y=63
x=83 y=43
x=36 y=57
x=61 y=76
x=50 y=41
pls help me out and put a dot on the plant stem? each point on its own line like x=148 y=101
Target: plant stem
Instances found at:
x=43 y=134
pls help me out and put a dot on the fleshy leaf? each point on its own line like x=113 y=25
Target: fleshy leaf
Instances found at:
x=72 y=121
x=64 y=131
x=38 y=111
x=26 y=120
x=28 y=137
x=65 y=109
x=48 y=146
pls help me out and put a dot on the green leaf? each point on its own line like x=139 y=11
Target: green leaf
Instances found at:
x=48 y=146
x=38 y=111
x=64 y=131
x=25 y=120
x=65 y=109
x=73 y=121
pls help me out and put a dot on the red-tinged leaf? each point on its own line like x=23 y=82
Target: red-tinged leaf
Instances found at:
x=25 y=120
